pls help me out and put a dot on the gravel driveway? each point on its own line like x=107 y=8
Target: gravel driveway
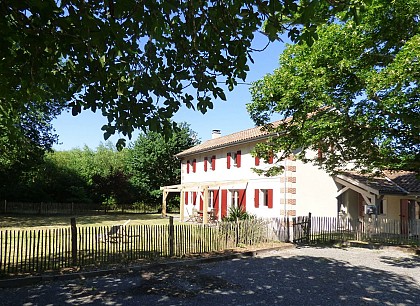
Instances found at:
x=297 y=276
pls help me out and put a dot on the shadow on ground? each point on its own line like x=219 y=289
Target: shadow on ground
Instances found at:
x=296 y=280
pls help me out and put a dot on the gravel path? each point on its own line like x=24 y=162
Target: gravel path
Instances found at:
x=297 y=276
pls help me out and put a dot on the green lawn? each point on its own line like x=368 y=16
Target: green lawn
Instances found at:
x=55 y=221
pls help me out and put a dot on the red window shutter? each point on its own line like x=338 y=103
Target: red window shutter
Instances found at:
x=194 y=165
x=216 y=200
x=201 y=201
x=270 y=160
x=205 y=164
x=228 y=160
x=242 y=199
x=270 y=198
x=186 y=197
x=188 y=166
x=257 y=198
x=224 y=204
x=194 y=197
x=213 y=162
x=238 y=159
x=257 y=161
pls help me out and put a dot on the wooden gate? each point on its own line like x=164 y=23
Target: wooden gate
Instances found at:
x=301 y=229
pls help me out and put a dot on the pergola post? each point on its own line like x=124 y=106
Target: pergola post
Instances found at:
x=205 y=205
x=181 y=205
x=164 y=196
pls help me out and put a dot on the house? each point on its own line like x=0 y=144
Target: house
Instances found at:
x=218 y=174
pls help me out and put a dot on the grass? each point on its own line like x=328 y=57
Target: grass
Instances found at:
x=13 y=222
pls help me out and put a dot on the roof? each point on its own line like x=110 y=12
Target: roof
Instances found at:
x=395 y=182
x=408 y=180
x=229 y=140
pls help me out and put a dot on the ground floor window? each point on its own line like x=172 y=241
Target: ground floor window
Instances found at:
x=234 y=198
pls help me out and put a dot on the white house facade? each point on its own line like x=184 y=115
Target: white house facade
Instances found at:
x=218 y=174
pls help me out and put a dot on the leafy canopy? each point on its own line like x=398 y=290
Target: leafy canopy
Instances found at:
x=132 y=60
x=359 y=83
x=152 y=162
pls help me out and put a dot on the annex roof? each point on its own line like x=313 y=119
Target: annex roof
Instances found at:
x=395 y=182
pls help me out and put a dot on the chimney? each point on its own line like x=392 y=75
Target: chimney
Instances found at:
x=215 y=134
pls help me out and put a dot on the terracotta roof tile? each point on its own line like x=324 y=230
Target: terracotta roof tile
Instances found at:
x=395 y=182
x=228 y=140
x=405 y=179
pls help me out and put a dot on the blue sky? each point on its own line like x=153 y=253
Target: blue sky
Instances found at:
x=229 y=116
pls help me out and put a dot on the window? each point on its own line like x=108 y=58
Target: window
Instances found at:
x=263 y=197
x=211 y=199
x=235 y=158
x=235 y=198
x=382 y=207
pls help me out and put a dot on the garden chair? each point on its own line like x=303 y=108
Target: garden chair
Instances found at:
x=115 y=233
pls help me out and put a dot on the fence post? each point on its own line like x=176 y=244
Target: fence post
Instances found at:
x=171 y=237
x=308 y=234
x=73 y=241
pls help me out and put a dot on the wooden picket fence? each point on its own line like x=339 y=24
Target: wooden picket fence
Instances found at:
x=371 y=229
x=36 y=251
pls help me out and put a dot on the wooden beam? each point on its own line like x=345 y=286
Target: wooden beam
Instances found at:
x=205 y=205
x=164 y=197
x=368 y=197
x=341 y=191
x=356 y=183
x=181 y=205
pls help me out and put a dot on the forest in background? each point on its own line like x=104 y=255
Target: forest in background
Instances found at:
x=103 y=175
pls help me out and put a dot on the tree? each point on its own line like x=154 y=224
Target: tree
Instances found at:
x=152 y=162
x=24 y=138
x=132 y=60
x=353 y=94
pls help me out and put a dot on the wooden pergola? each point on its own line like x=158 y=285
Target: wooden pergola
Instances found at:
x=203 y=190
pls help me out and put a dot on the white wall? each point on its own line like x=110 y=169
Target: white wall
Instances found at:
x=315 y=190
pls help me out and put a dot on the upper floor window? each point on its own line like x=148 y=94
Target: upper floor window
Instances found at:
x=233 y=158
x=213 y=162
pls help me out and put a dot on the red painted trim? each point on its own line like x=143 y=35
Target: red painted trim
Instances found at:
x=257 y=161
x=186 y=197
x=228 y=160
x=216 y=200
x=224 y=203
x=257 y=198
x=194 y=197
x=201 y=201
x=270 y=198
x=205 y=164
x=213 y=162
x=242 y=198
x=238 y=159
